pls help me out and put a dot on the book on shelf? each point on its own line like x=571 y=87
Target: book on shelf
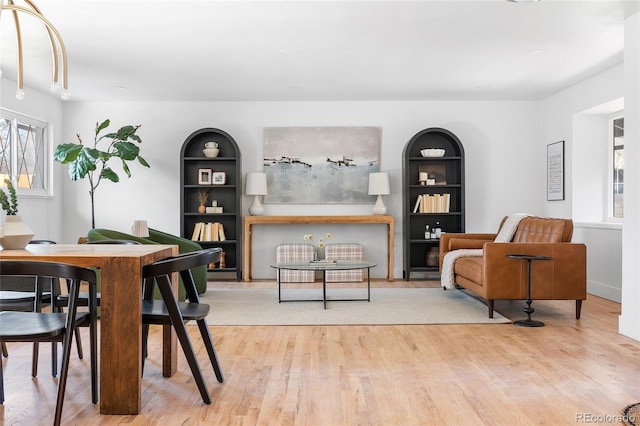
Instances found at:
x=221 y=235
x=210 y=231
x=197 y=230
x=416 y=207
x=432 y=203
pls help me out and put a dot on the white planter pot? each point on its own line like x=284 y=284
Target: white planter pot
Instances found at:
x=15 y=235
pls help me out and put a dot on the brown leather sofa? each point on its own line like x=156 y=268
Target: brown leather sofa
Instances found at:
x=495 y=276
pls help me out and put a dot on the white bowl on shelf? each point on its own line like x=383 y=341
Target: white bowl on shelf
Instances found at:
x=432 y=152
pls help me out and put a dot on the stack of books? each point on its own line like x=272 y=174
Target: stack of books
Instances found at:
x=208 y=232
x=432 y=203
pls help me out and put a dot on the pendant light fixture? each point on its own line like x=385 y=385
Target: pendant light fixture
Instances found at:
x=8 y=6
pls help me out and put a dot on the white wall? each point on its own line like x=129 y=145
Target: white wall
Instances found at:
x=629 y=322
x=496 y=137
x=578 y=116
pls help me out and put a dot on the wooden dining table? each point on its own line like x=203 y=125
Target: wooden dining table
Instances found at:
x=120 y=346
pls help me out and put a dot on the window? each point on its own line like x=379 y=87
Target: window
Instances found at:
x=618 y=167
x=23 y=153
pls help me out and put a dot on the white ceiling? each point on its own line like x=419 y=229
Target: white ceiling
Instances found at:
x=321 y=50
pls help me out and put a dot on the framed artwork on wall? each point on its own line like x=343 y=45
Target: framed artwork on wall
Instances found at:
x=320 y=165
x=204 y=176
x=555 y=171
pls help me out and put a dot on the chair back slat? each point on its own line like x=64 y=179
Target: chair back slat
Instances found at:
x=182 y=262
x=34 y=268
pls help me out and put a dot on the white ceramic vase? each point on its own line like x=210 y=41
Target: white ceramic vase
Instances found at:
x=15 y=235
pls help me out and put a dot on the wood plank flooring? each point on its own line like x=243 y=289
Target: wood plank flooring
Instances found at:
x=568 y=372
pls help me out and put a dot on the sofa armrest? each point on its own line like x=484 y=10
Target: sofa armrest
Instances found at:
x=564 y=277
x=453 y=241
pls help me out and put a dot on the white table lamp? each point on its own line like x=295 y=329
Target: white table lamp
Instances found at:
x=379 y=185
x=256 y=185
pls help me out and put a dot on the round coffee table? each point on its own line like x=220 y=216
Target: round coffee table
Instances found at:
x=324 y=266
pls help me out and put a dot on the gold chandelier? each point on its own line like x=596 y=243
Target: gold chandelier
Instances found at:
x=54 y=39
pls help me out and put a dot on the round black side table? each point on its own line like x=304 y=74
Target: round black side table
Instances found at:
x=528 y=309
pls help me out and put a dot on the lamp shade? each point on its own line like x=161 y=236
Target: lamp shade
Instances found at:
x=379 y=183
x=256 y=184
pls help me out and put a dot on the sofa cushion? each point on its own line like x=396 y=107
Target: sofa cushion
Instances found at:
x=465 y=243
x=543 y=230
x=470 y=268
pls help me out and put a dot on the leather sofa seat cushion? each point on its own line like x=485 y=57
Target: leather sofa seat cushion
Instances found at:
x=471 y=268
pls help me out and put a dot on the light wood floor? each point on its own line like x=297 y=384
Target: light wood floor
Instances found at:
x=568 y=372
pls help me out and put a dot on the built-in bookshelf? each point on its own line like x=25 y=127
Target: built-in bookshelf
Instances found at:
x=433 y=193
x=216 y=221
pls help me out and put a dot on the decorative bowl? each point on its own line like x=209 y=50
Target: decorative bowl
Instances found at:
x=432 y=152
x=211 y=152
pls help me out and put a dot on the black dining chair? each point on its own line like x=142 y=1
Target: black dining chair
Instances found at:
x=169 y=311
x=18 y=326
x=19 y=294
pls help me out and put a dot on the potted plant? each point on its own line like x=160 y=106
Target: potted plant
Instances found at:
x=15 y=235
x=92 y=162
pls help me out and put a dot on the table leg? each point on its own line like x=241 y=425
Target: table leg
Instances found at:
x=390 y=249
x=528 y=309
x=120 y=336
x=246 y=255
x=324 y=288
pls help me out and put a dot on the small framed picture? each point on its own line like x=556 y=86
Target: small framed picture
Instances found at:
x=218 y=178
x=204 y=176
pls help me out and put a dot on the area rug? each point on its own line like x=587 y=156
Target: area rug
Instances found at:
x=631 y=415
x=388 y=306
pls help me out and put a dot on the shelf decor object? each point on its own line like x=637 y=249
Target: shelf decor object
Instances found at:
x=211 y=149
x=221 y=183
x=432 y=193
x=55 y=43
x=256 y=185
x=140 y=228
x=379 y=185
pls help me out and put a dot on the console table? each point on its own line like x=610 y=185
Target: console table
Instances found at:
x=250 y=221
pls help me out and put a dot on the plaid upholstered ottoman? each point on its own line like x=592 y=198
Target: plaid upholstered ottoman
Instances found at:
x=293 y=252
x=345 y=251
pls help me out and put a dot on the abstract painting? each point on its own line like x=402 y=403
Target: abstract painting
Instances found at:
x=320 y=165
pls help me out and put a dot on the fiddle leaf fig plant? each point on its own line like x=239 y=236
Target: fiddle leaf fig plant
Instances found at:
x=92 y=162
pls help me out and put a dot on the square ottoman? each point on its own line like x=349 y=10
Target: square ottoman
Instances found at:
x=294 y=252
x=345 y=251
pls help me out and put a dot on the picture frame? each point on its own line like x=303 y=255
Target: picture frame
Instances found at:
x=555 y=171
x=204 y=176
x=218 y=178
